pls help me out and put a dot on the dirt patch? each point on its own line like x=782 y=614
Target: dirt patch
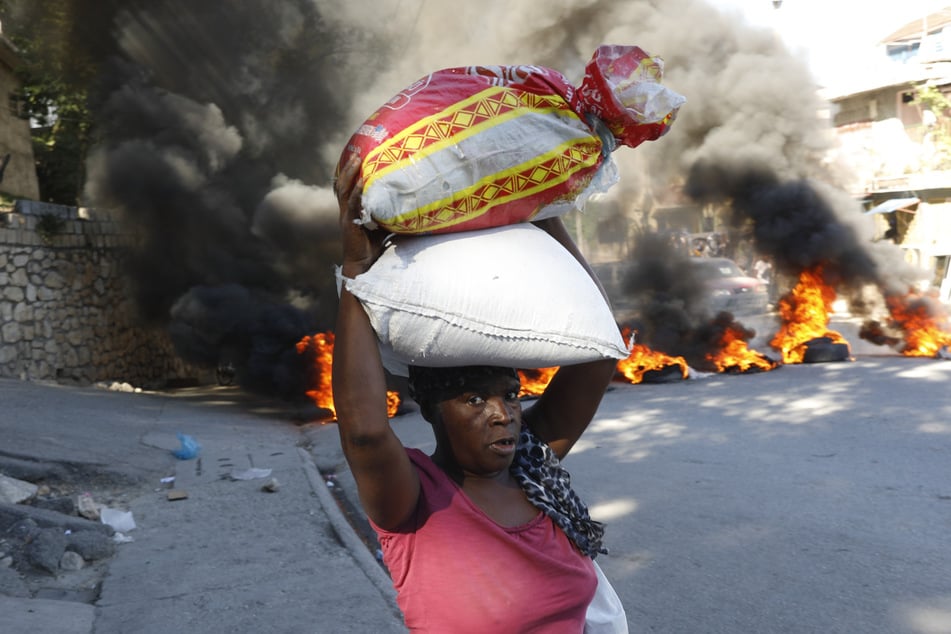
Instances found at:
x=53 y=545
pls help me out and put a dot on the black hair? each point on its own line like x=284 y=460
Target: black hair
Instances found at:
x=429 y=386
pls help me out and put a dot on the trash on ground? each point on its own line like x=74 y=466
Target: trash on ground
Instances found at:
x=249 y=474
x=121 y=521
x=271 y=486
x=177 y=494
x=121 y=538
x=189 y=449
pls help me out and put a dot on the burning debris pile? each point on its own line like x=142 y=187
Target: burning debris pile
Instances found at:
x=317 y=350
x=803 y=335
x=922 y=326
x=649 y=366
x=223 y=169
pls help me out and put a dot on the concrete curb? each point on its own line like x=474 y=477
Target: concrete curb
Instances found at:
x=351 y=541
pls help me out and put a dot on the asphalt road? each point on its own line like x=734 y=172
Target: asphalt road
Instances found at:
x=812 y=498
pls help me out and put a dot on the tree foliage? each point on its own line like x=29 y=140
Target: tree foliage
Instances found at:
x=60 y=60
x=938 y=129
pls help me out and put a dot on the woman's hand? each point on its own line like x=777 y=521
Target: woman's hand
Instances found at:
x=361 y=246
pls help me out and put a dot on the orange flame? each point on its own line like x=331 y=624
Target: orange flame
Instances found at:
x=534 y=382
x=923 y=323
x=734 y=355
x=642 y=360
x=321 y=347
x=805 y=316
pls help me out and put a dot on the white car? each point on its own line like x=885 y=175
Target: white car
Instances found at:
x=729 y=288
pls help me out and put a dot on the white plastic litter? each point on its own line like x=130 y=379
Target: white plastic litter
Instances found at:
x=121 y=521
x=250 y=474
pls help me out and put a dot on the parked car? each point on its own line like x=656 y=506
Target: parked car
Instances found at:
x=729 y=288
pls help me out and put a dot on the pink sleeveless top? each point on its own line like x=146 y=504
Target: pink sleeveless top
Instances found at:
x=457 y=570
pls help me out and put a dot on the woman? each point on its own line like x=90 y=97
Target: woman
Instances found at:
x=485 y=535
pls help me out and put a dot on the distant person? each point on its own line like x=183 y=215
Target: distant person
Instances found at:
x=763 y=269
x=485 y=534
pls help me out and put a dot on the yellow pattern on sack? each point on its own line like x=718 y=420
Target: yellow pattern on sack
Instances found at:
x=520 y=181
x=462 y=120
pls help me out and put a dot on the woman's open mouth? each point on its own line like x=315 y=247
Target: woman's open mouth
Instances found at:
x=503 y=447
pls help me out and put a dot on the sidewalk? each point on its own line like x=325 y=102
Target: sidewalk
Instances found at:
x=230 y=557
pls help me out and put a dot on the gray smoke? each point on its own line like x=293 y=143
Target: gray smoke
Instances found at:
x=221 y=124
x=215 y=125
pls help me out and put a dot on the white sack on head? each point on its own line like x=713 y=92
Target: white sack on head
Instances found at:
x=509 y=296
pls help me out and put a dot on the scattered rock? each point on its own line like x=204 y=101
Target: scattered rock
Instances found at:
x=32 y=470
x=271 y=486
x=87 y=507
x=10 y=513
x=91 y=545
x=60 y=504
x=46 y=550
x=13 y=491
x=71 y=561
x=23 y=530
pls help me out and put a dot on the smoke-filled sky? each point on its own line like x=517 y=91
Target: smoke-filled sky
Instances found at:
x=221 y=124
x=837 y=39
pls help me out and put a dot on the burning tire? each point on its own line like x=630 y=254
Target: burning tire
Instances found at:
x=824 y=350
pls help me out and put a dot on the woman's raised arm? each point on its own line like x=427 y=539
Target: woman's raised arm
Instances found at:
x=386 y=479
x=571 y=400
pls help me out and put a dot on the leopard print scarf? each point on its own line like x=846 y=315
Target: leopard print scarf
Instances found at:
x=548 y=487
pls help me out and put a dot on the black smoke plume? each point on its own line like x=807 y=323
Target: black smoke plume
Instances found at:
x=215 y=119
x=220 y=123
x=788 y=220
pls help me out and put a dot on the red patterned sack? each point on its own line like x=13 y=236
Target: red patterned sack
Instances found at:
x=485 y=146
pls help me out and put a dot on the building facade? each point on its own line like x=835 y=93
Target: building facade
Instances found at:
x=895 y=133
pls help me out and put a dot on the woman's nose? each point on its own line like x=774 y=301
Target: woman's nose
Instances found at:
x=502 y=411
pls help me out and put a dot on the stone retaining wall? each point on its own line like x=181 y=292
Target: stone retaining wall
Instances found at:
x=66 y=313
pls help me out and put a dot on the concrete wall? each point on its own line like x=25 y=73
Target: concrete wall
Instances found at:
x=66 y=312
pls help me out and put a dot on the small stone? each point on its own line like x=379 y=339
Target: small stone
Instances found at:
x=24 y=530
x=13 y=491
x=271 y=486
x=46 y=550
x=91 y=545
x=177 y=494
x=71 y=561
x=88 y=507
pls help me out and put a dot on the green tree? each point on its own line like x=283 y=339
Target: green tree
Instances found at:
x=59 y=65
x=938 y=130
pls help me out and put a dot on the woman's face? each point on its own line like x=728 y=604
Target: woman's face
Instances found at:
x=482 y=425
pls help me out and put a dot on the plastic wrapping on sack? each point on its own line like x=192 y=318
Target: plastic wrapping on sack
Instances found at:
x=485 y=146
x=507 y=296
